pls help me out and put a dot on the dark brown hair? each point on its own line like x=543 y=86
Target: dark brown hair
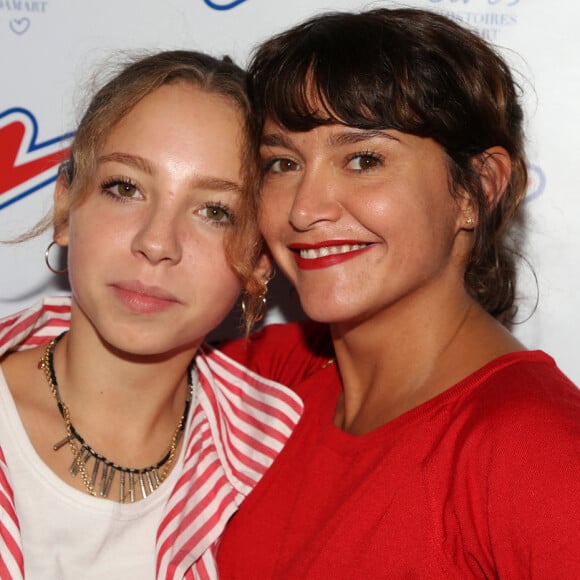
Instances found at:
x=420 y=73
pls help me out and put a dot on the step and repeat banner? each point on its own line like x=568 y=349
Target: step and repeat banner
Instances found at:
x=51 y=52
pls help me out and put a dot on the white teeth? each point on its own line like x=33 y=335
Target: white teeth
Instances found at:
x=312 y=254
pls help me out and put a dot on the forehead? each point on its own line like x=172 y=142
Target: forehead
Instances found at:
x=183 y=125
x=175 y=104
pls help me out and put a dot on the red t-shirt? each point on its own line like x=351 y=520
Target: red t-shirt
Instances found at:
x=483 y=481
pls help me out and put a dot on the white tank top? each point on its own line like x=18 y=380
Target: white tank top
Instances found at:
x=70 y=535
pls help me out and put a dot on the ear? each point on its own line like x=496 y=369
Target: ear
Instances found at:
x=264 y=268
x=495 y=169
x=61 y=211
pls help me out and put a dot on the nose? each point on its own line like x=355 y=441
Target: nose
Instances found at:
x=315 y=199
x=157 y=237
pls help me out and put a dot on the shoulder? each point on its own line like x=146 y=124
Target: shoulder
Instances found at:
x=520 y=424
x=35 y=325
x=528 y=461
x=511 y=402
x=522 y=388
x=507 y=453
x=286 y=353
x=516 y=419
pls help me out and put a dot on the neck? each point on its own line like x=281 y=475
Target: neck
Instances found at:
x=406 y=355
x=134 y=482
x=126 y=408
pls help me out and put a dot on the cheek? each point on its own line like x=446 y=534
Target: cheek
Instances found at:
x=274 y=212
x=96 y=240
x=205 y=261
x=213 y=281
x=96 y=235
x=268 y=221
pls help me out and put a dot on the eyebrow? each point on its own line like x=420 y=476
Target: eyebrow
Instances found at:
x=131 y=160
x=217 y=184
x=203 y=182
x=275 y=140
x=350 y=137
x=353 y=137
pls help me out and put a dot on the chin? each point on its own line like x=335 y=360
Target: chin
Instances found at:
x=348 y=312
x=329 y=313
x=134 y=345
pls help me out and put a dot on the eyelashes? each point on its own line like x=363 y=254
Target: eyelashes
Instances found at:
x=365 y=161
x=361 y=161
x=280 y=165
x=217 y=213
x=124 y=190
x=120 y=189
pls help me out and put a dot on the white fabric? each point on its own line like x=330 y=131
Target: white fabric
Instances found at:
x=117 y=540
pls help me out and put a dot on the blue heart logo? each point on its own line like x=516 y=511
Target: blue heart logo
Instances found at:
x=20 y=25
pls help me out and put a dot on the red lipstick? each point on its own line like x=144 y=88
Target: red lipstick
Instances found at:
x=328 y=253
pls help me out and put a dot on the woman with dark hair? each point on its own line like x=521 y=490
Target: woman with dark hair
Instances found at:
x=436 y=446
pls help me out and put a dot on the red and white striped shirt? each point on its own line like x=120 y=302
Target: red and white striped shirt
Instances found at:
x=240 y=423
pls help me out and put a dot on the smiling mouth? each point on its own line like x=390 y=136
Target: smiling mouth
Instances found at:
x=327 y=254
x=314 y=253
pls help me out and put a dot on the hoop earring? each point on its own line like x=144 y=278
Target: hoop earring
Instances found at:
x=260 y=299
x=247 y=299
x=47 y=260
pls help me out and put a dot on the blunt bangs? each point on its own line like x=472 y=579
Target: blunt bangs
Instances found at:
x=325 y=75
x=369 y=73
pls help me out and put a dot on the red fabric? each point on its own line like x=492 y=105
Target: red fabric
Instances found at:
x=481 y=482
x=292 y=351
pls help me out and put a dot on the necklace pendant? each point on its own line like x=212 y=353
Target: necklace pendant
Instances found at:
x=81 y=457
x=62 y=442
x=94 y=473
x=144 y=492
x=156 y=478
x=150 y=483
x=107 y=475
x=122 y=487
x=131 y=487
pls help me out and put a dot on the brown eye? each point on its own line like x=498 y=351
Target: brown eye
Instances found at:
x=281 y=165
x=364 y=162
x=126 y=189
x=218 y=214
x=121 y=189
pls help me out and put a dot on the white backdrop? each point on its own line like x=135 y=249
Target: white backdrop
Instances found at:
x=50 y=50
